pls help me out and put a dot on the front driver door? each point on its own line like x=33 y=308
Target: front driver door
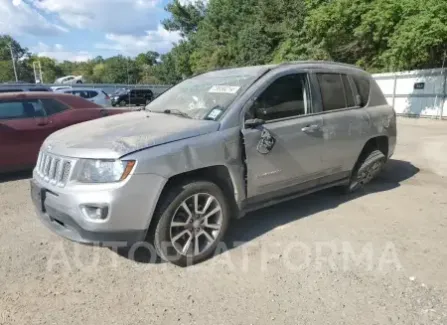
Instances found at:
x=284 y=154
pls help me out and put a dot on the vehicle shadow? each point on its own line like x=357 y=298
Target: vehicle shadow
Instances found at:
x=15 y=176
x=258 y=223
x=262 y=221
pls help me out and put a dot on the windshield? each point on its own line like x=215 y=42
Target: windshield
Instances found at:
x=208 y=95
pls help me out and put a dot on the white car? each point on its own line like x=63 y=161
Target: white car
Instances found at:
x=96 y=96
x=70 y=80
x=56 y=88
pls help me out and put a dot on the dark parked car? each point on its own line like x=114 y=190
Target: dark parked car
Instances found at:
x=13 y=88
x=132 y=97
x=27 y=118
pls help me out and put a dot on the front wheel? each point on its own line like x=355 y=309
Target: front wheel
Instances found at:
x=191 y=221
x=367 y=168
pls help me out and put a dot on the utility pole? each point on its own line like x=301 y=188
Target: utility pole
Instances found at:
x=128 y=79
x=13 y=62
x=37 y=79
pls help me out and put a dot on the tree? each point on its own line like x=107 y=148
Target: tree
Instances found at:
x=406 y=34
x=184 y=18
x=5 y=53
x=149 y=58
x=19 y=53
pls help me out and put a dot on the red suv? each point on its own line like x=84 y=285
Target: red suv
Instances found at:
x=26 y=119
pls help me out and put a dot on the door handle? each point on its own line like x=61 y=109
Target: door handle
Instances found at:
x=43 y=123
x=311 y=128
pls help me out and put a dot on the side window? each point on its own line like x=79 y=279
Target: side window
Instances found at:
x=91 y=94
x=133 y=93
x=363 y=86
x=38 y=89
x=286 y=97
x=349 y=93
x=332 y=91
x=37 y=106
x=10 y=90
x=10 y=110
x=53 y=106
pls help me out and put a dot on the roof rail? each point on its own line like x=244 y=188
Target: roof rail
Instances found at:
x=321 y=62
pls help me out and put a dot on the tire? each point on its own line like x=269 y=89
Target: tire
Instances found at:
x=79 y=82
x=366 y=169
x=171 y=241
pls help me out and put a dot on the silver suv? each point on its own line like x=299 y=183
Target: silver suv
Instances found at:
x=210 y=149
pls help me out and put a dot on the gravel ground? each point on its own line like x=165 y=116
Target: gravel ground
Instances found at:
x=378 y=257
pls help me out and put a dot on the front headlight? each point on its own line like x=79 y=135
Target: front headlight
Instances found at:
x=104 y=171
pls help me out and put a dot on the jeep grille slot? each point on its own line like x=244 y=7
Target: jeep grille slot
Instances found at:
x=53 y=169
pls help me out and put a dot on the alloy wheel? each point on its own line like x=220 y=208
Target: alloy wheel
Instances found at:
x=196 y=224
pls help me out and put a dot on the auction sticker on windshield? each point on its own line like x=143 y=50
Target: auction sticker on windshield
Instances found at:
x=222 y=89
x=214 y=114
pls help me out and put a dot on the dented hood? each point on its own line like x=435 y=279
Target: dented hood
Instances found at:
x=115 y=136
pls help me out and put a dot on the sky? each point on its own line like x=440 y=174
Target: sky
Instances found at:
x=79 y=30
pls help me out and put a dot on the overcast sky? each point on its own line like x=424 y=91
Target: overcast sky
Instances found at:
x=82 y=29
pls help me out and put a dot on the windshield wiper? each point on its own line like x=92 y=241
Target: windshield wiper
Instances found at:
x=176 y=112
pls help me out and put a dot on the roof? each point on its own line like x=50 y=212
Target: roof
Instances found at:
x=62 y=90
x=261 y=69
x=33 y=94
x=323 y=65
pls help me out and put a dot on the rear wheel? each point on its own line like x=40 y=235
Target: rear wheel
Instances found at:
x=367 y=168
x=191 y=222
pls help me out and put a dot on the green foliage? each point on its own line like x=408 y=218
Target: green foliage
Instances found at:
x=184 y=18
x=378 y=35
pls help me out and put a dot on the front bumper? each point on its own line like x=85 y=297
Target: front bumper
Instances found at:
x=130 y=208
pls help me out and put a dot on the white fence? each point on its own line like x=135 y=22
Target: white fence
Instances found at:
x=416 y=93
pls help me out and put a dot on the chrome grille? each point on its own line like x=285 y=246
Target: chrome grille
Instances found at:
x=53 y=169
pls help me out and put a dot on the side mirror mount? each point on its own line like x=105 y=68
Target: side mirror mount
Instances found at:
x=252 y=123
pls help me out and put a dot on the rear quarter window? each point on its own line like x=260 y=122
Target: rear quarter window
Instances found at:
x=78 y=102
x=39 y=89
x=363 y=87
x=53 y=106
x=91 y=94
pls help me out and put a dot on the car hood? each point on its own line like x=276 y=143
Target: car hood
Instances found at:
x=115 y=136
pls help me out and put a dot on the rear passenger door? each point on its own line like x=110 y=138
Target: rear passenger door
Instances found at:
x=141 y=97
x=284 y=154
x=344 y=122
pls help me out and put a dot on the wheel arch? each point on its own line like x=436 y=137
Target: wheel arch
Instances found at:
x=218 y=174
x=380 y=142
